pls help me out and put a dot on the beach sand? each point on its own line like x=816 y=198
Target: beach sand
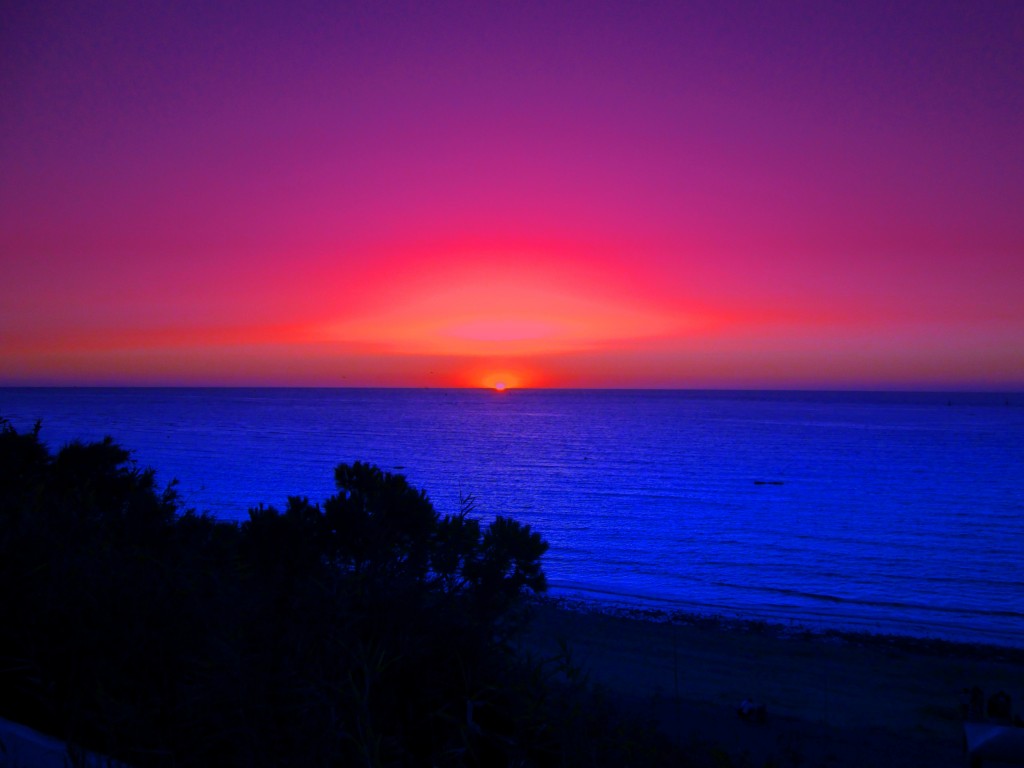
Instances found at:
x=832 y=699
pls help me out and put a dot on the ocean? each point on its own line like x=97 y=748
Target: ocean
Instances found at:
x=884 y=512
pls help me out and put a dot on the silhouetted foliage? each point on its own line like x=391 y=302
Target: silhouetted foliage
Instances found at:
x=369 y=630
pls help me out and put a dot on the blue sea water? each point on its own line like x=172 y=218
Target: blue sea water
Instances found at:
x=886 y=512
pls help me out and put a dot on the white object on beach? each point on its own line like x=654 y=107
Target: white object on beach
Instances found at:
x=24 y=747
x=992 y=741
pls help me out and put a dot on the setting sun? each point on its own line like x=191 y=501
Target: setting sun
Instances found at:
x=499 y=380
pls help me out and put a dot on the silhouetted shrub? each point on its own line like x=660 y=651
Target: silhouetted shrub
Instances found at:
x=353 y=631
x=370 y=630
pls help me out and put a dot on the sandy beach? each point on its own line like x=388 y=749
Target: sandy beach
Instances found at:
x=832 y=699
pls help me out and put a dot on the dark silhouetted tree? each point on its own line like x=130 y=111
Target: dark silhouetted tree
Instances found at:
x=352 y=631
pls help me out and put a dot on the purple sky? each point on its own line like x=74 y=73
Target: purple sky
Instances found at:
x=589 y=194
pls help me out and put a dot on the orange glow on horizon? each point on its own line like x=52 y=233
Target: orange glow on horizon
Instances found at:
x=544 y=316
x=493 y=303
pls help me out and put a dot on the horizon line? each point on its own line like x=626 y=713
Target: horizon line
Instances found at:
x=1015 y=389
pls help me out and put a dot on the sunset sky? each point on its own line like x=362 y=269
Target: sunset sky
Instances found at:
x=589 y=194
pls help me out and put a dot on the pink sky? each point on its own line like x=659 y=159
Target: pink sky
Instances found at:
x=546 y=194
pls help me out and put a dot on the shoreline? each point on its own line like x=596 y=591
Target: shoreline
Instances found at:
x=968 y=632
x=833 y=698
x=927 y=644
